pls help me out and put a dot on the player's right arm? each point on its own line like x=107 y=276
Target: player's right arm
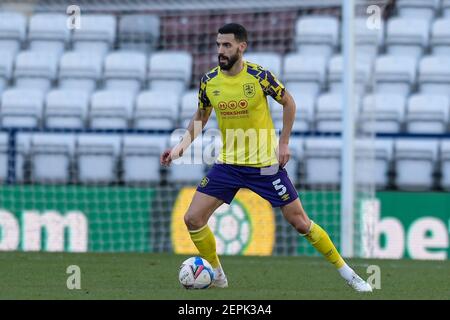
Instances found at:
x=194 y=128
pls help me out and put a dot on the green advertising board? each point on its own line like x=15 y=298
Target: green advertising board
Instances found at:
x=75 y=218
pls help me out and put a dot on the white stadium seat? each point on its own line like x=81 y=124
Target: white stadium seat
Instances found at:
x=66 y=108
x=97 y=158
x=140 y=158
x=329 y=112
x=268 y=60
x=190 y=168
x=446 y=8
x=125 y=70
x=48 y=32
x=35 y=70
x=51 y=156
x=97 y=34
x=415 y=161
x=170 y=71
x=419 y=9
x=322 y=161
x=6 y=69
x=404 y=40
x=382 y=113
x=395 y=74
x=306 y=105
x=156 y=110
x=80 y=70
x=3 y=156
x=139 y=32
x=427 y=114
x=434 y=75
x=317 y=35
x=363 y=70
x=111 y=109
x=373 y=160
x=440 y=37
x=13 y=26
x=189 y=105
x=445 y=164
x=304 y=73
x=21 y=108
x=367 y=40
x=23 y=141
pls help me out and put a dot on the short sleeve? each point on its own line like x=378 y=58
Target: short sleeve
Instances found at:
x=272 y=86
x=203 y=101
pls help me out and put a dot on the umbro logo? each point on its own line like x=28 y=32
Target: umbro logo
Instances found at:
x=216 y=92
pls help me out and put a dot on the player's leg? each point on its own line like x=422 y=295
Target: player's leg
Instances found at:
x=219 y=186
x=320 y=240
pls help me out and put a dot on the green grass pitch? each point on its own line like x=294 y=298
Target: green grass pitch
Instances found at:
x=155 y=276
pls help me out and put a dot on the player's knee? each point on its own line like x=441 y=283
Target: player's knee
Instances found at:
x=193 y=221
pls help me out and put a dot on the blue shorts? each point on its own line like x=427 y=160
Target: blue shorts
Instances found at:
x=223 y=181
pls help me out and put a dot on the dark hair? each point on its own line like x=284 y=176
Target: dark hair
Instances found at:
x=240 y=34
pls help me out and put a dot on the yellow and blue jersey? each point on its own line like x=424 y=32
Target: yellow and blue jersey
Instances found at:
x=243 y=114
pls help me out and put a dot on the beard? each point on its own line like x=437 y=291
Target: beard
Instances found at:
x=230 y=61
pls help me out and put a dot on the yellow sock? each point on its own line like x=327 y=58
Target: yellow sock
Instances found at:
x=205 y=242
x=322 y=242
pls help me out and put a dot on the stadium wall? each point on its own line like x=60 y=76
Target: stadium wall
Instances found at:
x=98 y=219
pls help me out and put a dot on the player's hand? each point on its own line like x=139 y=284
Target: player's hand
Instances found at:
x=166 y=158
x=283 y=154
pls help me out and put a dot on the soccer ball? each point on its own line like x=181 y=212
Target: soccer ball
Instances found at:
x=196 y=273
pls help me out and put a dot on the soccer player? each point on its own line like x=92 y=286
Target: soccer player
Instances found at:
x=237 y=90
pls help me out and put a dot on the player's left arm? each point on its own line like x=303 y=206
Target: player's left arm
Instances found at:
x=288 y=120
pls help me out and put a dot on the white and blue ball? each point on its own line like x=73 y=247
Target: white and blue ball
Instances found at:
x=196 y=273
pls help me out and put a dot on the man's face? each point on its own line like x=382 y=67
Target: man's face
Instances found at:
x=229 y=50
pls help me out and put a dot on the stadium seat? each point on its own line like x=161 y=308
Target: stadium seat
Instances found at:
x=373 y=161
x=445 y=164
x=304 y=116
x=80 y=70
x=66 y=108
x=125 y=70
x=403 y=40
x=3 y=157
x=190 y=168
x=434 y=75
x=329 y=112
x=140 y=158
x=138 y=32
x=317 y=35
x=6 y=69
x=48 y=32
x=415 y=163
x=23 y=141
x=304 y=73
x=427 y=114
x=156 y=110
x=111 y=109
x=395 y=74
x=13 y=27
x=367 y=40
x=170 y=71
x=446 y=8
x=322 y=161
x=189 y=105
x=418 y=9
x=440 y=37
x=97 y=34
x=297 y=152
x=268 y=60
x=97 y=158
x=51 y=156
x=35 y=70
x=22 y=108
x=382 y=113
x=363 y=70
